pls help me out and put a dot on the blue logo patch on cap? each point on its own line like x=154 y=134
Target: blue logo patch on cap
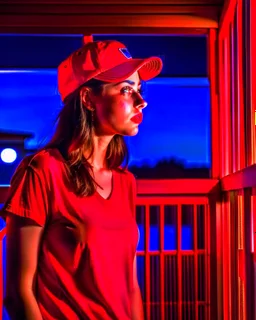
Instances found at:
x=125 y=52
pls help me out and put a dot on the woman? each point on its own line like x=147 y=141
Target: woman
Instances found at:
x=71 y=229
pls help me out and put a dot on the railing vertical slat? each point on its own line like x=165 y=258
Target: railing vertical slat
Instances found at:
x=147 y=262
x=195 y=261
x=207 y=233
x=162 y=271
x=179 y=262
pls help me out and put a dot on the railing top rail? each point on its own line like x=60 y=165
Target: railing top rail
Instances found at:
x=172 y=187
x=245 y=178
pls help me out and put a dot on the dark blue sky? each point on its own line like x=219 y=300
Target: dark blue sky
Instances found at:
x=183 y=56
x=176 y=122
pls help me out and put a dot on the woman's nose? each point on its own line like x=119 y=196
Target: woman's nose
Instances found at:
x=140 y=103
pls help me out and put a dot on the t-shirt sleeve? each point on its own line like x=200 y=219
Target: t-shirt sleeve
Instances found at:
x=28 y=196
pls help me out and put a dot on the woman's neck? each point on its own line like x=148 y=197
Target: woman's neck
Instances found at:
x=98 y=158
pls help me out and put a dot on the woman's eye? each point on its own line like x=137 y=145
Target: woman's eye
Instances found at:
x=130 y=90
x=127 y=90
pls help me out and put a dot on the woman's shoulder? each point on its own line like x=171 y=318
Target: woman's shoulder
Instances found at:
x=43 y=160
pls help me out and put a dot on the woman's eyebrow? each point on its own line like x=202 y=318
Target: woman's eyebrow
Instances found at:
x=132 y=83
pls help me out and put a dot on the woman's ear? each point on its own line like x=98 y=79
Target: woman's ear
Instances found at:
x=85 y=96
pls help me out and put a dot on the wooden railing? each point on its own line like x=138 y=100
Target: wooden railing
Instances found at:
x=239 y=239
x=174 y=274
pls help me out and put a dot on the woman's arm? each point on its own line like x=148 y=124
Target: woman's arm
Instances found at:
x=136 y=300
x=23 y=243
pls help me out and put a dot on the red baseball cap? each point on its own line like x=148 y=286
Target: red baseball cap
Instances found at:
x=108 y=61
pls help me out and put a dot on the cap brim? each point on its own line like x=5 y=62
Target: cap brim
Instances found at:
x=147 y=69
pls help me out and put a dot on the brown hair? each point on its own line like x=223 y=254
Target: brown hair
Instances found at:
x=73 y=136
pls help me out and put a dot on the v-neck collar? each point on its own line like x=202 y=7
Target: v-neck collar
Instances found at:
x=109 y=197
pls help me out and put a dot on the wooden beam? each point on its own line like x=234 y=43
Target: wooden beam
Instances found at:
x=108 y=31
x=70 y=22
x=85 y=9
x=74 y=24
x=213 y=74
x=242 y=179
x=227 y=16
x=103 y=31
x=176 y=186
x=117 y=2
x=61 y=17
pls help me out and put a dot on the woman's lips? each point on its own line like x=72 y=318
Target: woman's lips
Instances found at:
x=137 y=118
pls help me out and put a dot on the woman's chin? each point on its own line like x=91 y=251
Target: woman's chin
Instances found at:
x=134 y=131
x=130 y=133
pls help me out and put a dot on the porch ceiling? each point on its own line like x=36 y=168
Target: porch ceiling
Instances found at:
x=109 y=16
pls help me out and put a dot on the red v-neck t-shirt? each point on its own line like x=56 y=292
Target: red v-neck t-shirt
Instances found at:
x=85 y=266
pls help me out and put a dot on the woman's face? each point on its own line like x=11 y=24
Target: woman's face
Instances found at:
x=118 y=110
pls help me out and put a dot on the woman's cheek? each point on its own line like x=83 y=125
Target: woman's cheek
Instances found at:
x=127 y=108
